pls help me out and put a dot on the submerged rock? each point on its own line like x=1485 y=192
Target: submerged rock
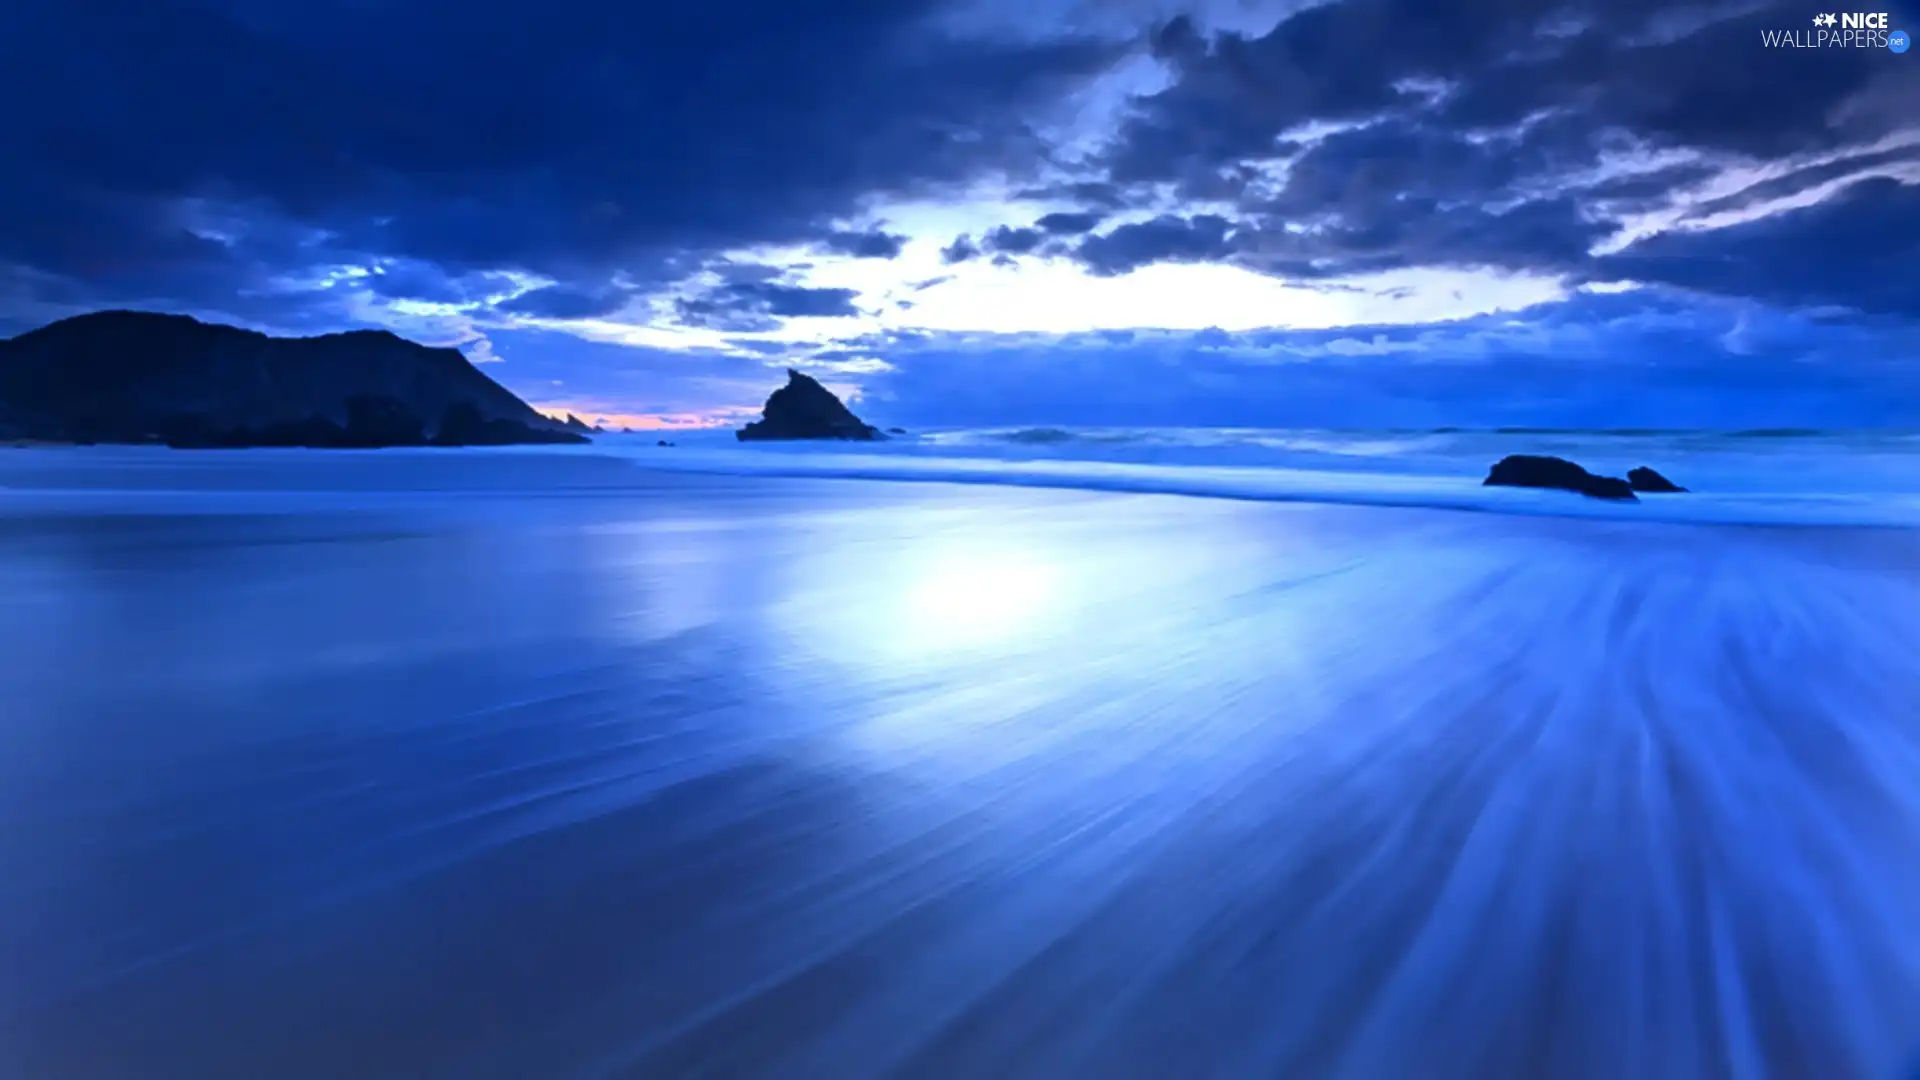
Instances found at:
x=1539 y=471
x=803 y=409
x=1645 y=479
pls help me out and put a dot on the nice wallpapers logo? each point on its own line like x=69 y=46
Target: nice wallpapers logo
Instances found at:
x=1842 y=30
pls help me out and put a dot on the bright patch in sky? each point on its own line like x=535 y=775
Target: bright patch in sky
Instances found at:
x=1054 y=297
x=1039 y=295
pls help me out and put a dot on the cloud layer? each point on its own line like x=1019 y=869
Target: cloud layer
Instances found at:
x=706 y=192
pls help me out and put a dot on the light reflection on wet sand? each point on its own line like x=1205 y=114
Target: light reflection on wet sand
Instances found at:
x=745 y=778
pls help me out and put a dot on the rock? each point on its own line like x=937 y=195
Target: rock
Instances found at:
x=577 y=425
x=663 y=442
x=464 y=425
x=803 y=409
x=896 y=431
x=1645 y=479
x=382 y=421
x=141 y=377
x=1534 y=471
x=372 y=422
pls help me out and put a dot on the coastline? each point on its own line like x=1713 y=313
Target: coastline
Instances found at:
x=1744 y=495
x=706 y=774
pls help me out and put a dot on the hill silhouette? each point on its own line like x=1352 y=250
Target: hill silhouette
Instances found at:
x=144 y=377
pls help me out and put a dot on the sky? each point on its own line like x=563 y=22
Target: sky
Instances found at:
x=1358 y=213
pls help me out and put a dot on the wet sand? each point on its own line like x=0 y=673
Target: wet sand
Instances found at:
x=487 y=770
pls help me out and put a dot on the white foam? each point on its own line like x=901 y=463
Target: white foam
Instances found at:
x=1839 y=480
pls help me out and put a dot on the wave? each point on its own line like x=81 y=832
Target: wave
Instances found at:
x=1039 y=436
x=1834 y=478
x=1308 y=485
x=1846 y=483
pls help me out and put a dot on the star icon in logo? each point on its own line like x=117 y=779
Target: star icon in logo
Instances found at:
x=1824 y=20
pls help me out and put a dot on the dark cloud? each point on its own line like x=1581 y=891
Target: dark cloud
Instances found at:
x=562 y=302
x=1007 y=240
x=1583 y=362
x=571 y=139
x=750 y=306
x=1362 y=170
x=1398 y=133
x=411 y=280
x=1802 y=180
x=1551 y=236
x=1859 y=251
x=1636 y=66
x=963 y=249
x=876 y=244
x=1714 y=88
x=1068 y=223
x=1097 y=195
x=280 y=164
x=1643 y=192
x=1202 y=238
x=1003 y=242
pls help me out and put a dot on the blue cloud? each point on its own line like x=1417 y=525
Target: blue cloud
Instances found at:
x=562 y=302
x=1860 y=249
x=1168 y=238
x=284 y=167
x=602 y=136
x=747 y=306
x=1645 y=358
x=1069 y=223
x=873 y=244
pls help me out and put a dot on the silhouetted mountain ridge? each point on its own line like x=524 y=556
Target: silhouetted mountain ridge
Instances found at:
x=133 y=376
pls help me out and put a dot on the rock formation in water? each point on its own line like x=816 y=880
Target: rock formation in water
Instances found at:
x=1535 y=471
x=1645 y=479
x=141 y=377
x=803 y=409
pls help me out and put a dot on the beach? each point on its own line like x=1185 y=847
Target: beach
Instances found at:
x=549 y=765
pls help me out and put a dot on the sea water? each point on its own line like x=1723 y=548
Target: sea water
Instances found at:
x=716 y=760
x=1752 y=476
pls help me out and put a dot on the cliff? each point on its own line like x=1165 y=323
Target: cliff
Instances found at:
x=128 y=376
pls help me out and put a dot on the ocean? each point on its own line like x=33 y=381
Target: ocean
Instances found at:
x=1776 y=476
x=983 y=754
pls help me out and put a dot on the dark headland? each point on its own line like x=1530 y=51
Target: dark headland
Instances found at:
x=141 y=377
x=803 y=409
